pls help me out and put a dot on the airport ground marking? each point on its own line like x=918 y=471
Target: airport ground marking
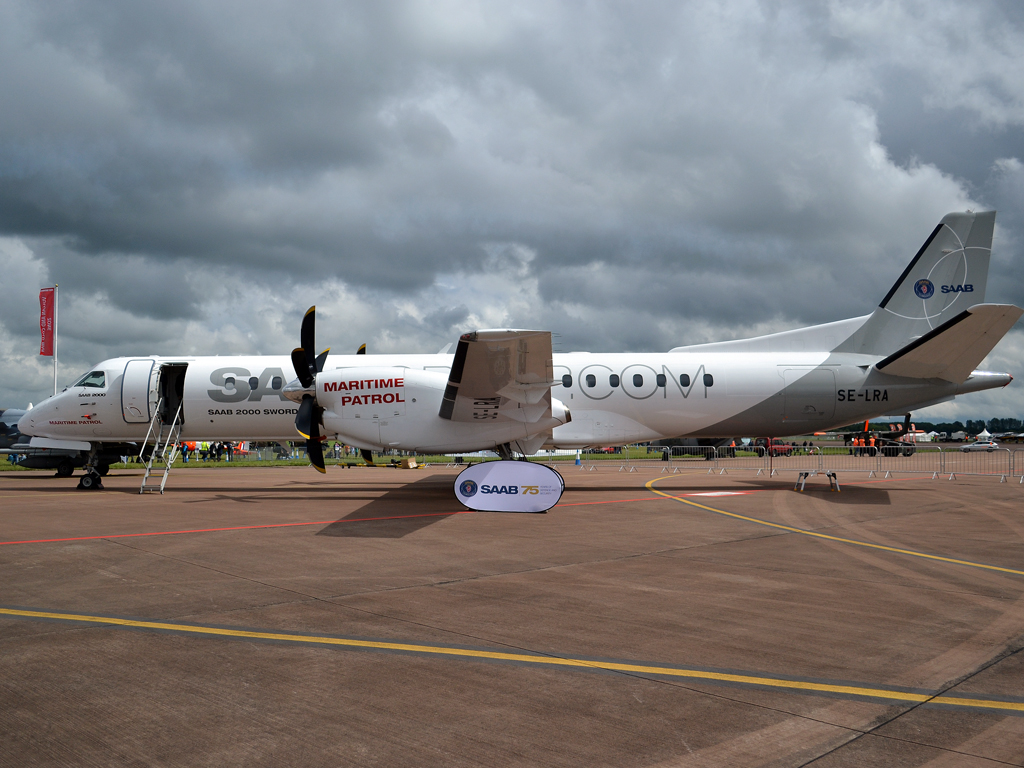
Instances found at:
x=829 y=537
x=239 y=528
x=289 y=524
x=609 y=501
x=696 y=674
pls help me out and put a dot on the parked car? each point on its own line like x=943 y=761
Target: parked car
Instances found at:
x=892 y=448
x=776 y=447
x=980 y=445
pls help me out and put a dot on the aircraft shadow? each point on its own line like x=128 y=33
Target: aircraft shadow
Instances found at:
x=850 y=494
x=400 y=511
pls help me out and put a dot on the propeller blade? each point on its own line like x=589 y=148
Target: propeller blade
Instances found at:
x=307 y=336
x=305 y=421
x=321 y=359
x=315 y=452
x=367 y=455
x=306 y=379
x=361 y=350
x=307 y=365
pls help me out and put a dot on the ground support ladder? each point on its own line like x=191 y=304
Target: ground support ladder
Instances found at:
x=165 y=449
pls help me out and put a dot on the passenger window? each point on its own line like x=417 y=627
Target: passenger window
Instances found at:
x=591 y=380
x=661 y=379
x=276 y=382
x=254 y=383
x=614 y=379
x=684 y=380
x=709 y=380
x=638 y=380
x=92 y=379
x=567 y=381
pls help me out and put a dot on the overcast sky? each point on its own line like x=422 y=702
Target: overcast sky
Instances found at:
x=629 y=176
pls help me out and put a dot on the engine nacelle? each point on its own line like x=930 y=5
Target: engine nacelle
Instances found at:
x=399 y=408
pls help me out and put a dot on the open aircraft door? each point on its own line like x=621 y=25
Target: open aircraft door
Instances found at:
x=138 y=392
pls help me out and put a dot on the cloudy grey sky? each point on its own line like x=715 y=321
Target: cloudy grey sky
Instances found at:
x=632 y=177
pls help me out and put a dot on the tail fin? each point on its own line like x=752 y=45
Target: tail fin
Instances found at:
x=948 y=275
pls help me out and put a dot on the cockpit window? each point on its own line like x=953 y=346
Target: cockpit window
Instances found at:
x=92 y=379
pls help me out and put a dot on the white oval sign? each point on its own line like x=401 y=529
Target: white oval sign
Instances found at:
x=509 y=486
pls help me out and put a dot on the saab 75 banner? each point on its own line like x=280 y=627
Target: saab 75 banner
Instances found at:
x=509 y=486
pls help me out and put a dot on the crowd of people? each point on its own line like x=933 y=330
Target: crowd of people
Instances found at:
x=206 y=451
x=227 y=450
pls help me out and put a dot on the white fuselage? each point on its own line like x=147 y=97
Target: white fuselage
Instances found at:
x=612 y=399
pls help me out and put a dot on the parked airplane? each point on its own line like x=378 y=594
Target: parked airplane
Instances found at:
x=505 y=390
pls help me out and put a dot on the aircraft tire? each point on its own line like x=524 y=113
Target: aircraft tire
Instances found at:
x=103 y=469
x=65 y=468
x=90 y=482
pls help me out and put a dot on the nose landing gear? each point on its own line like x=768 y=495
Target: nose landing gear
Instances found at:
x=92 y=479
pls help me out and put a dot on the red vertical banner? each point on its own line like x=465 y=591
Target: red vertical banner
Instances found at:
x=46 y=322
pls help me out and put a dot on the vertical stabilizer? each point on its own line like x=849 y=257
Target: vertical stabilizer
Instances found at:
x=948 y=275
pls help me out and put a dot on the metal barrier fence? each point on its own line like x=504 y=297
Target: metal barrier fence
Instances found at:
x=933 y=460
x=936 y=461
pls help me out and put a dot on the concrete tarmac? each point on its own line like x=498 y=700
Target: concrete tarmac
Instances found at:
x=277 y=617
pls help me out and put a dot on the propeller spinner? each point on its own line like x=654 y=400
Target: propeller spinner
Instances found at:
x=307 y=365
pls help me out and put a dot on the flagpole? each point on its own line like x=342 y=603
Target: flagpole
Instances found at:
x=55 y=338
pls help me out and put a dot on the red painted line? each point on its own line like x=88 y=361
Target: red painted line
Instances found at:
x=613 y=501
x=372 y=519
x=236 y=528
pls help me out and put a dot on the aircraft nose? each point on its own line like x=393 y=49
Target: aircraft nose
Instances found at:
x=27 y=423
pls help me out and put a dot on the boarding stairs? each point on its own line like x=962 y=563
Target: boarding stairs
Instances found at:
x=165 y=450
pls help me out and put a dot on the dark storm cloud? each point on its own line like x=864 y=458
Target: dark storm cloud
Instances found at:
x=196 y=174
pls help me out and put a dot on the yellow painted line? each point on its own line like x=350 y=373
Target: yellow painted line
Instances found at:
x=817 y=535
x=534 y=659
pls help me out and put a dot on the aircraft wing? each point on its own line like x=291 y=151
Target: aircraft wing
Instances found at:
x=955 y=348
x=500 y=374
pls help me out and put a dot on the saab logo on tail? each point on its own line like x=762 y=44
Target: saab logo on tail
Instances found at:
x=924 y=289
x=958 y=288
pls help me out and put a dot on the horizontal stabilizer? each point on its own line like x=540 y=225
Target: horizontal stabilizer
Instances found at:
x=955 y=348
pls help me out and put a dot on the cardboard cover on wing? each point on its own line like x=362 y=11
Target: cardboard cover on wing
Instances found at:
x=500 y=373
